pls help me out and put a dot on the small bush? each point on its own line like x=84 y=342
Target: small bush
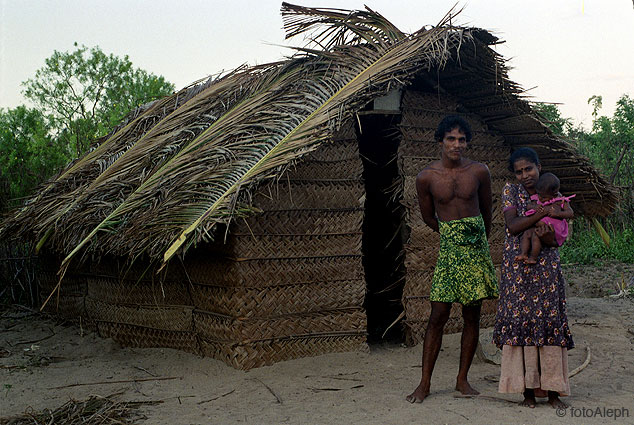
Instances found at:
x=585 y=246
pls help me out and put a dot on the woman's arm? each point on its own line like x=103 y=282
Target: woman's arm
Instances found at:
x=517 y=225
x=565 y=213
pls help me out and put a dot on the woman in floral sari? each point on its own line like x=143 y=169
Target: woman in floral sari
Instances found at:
x=531 y=326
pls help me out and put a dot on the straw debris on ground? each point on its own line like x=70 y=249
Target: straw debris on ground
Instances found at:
x=94 y=410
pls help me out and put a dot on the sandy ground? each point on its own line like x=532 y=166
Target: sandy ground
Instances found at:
x=44 y=363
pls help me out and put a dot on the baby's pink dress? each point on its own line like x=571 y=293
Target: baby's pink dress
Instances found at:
x=559 y=226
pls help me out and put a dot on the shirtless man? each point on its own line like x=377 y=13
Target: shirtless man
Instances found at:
x=454 y=195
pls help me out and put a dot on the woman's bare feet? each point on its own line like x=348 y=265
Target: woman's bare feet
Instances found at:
x=521 y=258
x=418 y=395
x=555 y=401
x=465 y=388
x=530 y=260
x=529 y=399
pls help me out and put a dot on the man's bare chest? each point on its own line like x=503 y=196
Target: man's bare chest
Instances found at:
x=448 y=187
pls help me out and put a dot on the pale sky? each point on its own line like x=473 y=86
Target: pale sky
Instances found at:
x=568 y=50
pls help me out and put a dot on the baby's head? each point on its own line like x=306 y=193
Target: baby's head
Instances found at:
x=547 y=187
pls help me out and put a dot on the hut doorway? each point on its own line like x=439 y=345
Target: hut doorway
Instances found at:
x=383 y=224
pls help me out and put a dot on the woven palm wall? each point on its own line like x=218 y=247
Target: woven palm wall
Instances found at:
x=286 y=283
x=129 y=304
x=421 y=114
x=289 y=281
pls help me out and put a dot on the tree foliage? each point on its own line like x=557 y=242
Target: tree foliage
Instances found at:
x=78 y=96
x=610 y=145
x=86 y=92
x=28 y=152
x=552 y=118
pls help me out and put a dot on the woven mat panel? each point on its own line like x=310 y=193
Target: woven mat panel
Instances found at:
x=301 y=222
x=167 y=318
x=351 y=168
x=249 y=247
x=490 y=153
x=115 y=291
x=277 y=300
x=412 y=165
x=142 y=337
x=486 y=109
x=415 y=140
x=341 y=150
x=69 y=301
x=425 y=116
x=418 y=282
x=346 y=132
x=274 y=272
x=118 y=268
x=67 y=306
x=263 y=353
x=241 y=330
x=421 y=257
x=489 y=307
x=73 y=284
x=414 y=99
x=518 y=124
x=284 y=195
x=421 y=118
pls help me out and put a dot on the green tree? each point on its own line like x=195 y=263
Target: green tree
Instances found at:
x=28 y=152
x=86 y=92
x=551 y=116
x=610 y=145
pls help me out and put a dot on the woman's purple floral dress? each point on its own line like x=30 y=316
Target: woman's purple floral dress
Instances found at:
x=532 y=305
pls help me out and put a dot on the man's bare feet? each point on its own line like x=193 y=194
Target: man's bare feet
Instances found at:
x=555 y=401
x=465 y=388
x=529 y=399
x=530 y=260
x=418 y=395
x=520 y=258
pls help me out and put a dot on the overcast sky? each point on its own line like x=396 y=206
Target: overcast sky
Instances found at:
x=568 y=50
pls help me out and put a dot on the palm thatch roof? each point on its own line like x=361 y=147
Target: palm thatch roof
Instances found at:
x=174 y=170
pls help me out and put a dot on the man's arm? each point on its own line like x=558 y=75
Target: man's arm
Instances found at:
x=485 y=197
x=425 y=200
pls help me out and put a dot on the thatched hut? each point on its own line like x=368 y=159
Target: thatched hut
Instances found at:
x=271 y=213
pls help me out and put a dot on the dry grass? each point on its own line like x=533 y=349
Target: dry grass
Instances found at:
x=94 y=410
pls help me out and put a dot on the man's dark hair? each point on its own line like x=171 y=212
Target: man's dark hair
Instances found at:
x=547 y=183
x=449 y=123
x=523 y=153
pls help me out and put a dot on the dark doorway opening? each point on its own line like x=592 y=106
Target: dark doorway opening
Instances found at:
x=379 y=137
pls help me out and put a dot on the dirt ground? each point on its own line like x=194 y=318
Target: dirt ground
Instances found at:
x=44 y=363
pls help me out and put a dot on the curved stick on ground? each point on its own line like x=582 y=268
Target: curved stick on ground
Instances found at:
x=583 y=365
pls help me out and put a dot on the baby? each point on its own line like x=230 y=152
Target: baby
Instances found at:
x=556 y=208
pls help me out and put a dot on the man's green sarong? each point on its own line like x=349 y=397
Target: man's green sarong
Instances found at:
x=464 y=272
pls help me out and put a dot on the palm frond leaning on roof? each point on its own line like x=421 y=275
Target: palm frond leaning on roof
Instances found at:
x=182 y=199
